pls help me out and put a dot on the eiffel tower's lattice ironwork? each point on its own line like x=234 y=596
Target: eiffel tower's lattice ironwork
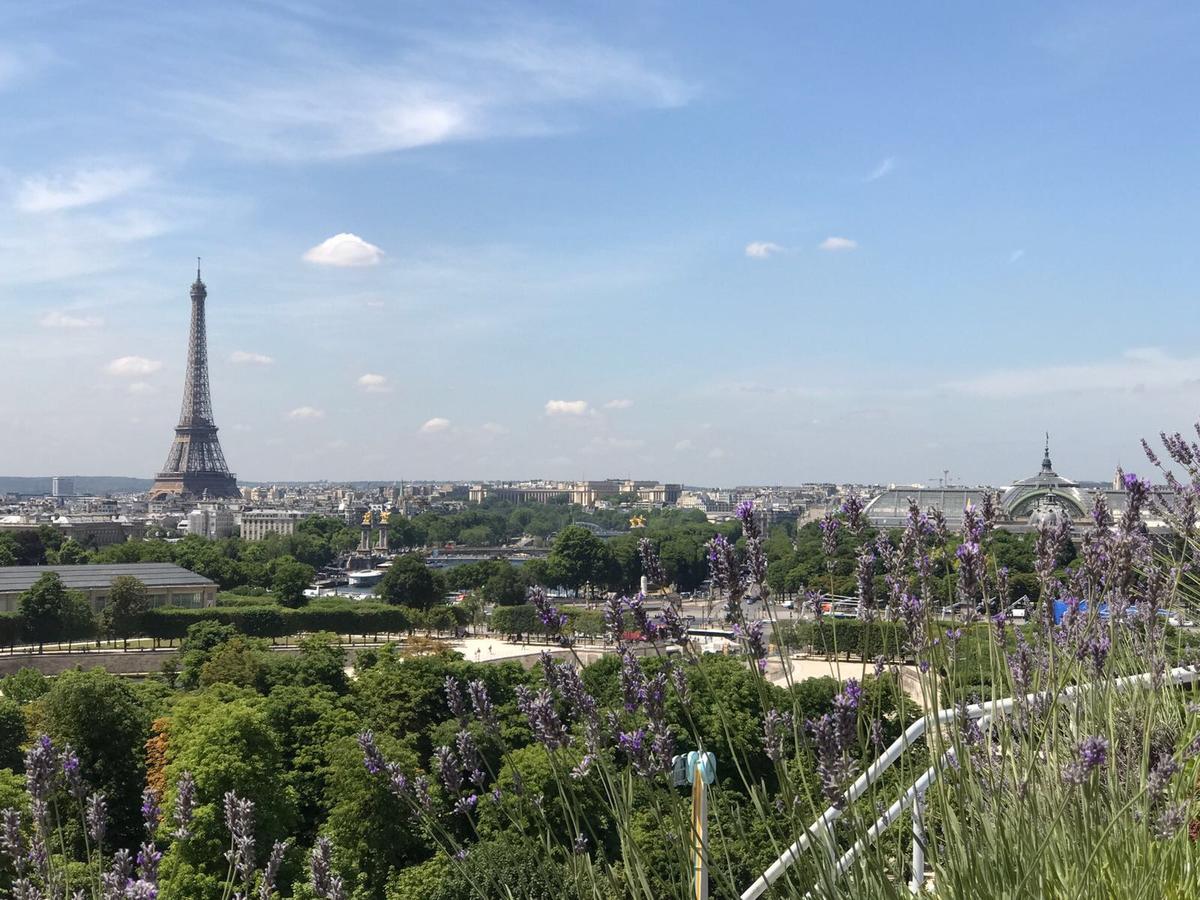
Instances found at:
x=195 y=465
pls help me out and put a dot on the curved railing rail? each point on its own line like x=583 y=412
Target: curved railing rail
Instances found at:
x=913 y=797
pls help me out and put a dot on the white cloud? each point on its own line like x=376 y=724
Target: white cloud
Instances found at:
x=716 y=453
x=56 y=319
x=567 y=408
x=884 y=168
x=494 y=428
x=306 y=412
x=344 y=250
x=305 y=101
x=82 y=188
x=1135 y=370
x=1016 y=255
x=434 y=425
x=838 y=244
x=374 y=384
x=142 y=388
x=683 y=445
x=133 y=366
x=762 y=249
x=246 y=358
x=618 y=404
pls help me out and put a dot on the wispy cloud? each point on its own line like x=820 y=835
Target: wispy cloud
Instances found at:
x=58 y=319
x=883 y=169
x=84 y=187
x=838 y=245
x=373 y=383
x=133 y=366
x=246 y=358
x=567 y=408
x=344 y=250
x=1136 y=370
x=762 y=249
x=306 y=413
x=429 y=89
x=618 y=404
x=1016 y=256
x=494 y=428
x=684 y=445
x=435 y=425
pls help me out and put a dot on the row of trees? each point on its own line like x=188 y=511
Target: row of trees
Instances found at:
x=281 y=732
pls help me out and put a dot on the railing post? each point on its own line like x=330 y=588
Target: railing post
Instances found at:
x=918 y=850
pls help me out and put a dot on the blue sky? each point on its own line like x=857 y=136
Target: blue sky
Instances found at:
x=705 y=242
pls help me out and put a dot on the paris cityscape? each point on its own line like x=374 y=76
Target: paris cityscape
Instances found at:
x=639 y=452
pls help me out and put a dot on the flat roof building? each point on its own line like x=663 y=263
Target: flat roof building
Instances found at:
x=166 y=583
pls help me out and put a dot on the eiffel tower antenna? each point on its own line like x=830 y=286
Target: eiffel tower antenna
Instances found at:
x=195 y=465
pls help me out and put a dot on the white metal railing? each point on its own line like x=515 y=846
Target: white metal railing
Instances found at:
x=913 y=797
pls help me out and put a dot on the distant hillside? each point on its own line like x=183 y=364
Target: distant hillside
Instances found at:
x=84 y=484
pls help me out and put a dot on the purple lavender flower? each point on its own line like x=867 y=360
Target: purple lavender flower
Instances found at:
x=485 y=711
x=185 y=806
x=12 y=840
x=864 y=574
x=633 y=682
x=71 y=774
x=543 y=719
x=1093 y=754
x=449 y=769
x=465 y=805
x=266 y=887
x=96 y=818
x=554 y=621
x=41 y=768
x=651 y=565
x=829 y=528
x=776 y=728
x=326 y=884
x=580 y=846
x=614 y=617
x=148 y=858
x=638 y=750
x=722 y=564
x=239 y=819
x=372 y=757
x=852 y=509
x=455 y=700
x=834 y=736
x=641 y=619
x=151 y=812
x=468 y=755
x=756 y=645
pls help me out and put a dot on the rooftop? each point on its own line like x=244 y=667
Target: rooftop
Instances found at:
x=21 y=578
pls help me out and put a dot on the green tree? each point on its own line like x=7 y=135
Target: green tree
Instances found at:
x=224 y=739
x=370 y=828
x=13 y=734
x=578 y=557
x=128 y=601
x=99 y=715
x=409 y=582
x=289 y=580
x=25 y=685
x=505 y=587
x=49 y=612
x=72 y=553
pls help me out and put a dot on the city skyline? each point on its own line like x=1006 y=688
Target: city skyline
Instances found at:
x=688 y=243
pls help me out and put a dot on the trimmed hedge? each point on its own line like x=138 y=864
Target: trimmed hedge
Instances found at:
x=170 y=623
x=523 y=619
x=853 y=638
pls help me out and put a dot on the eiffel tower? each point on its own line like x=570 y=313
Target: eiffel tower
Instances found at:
x=195 y=466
